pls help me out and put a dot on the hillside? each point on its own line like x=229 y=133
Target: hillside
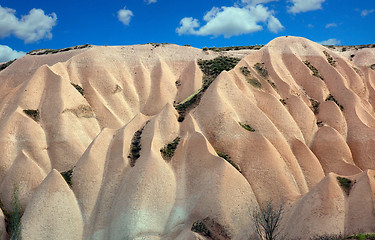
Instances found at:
x=152 y=142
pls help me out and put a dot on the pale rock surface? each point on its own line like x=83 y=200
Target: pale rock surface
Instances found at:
x=53 y=211
x=293 y=156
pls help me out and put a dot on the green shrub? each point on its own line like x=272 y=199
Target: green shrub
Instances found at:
x=168 y=150
x=261 y=69
x=247 y=127
x=363 y=236
x=345 y=183
x=254 y=82
x=201 y=228
x=5 y=65
x=313 y=69
x=135 y=146
x=79 y=89
x=330 y=59
x=331 y=98
x=67 y=175
x=34 y=114
x=314 y=105
x=372 y=67
x=273 y=85
x=283 y=101
x=229 y=160
x=245 y=71
x=212 y=68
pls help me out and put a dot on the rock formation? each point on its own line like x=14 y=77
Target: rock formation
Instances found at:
x=150 y=152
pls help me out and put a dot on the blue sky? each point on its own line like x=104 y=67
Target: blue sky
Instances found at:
x=27 y=25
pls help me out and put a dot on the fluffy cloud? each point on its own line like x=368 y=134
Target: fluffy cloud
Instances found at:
x=30 y=28
x=124 y=15
x=231 y=21
x=331 y=41
x=366 y=12
x=305 y=5
x=274 y=25
x=7 y=54
x=188 y=25
x=329 y=25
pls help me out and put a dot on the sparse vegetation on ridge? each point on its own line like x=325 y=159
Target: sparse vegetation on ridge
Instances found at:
x=261 y=69
x=245 y=71
x=168 y=150
x=155 y=45
x=273 y=85
x=331 y=98
x=79 y=89
x=313 y=69
x=283 y=101
x=233 y=48
x=5 y=65
x=34 y=114
x=330 y=59
x=13 y=218
x=254 y=82
x=53 y=51
x=67 y=175
x=359 y=72
x=211 y=69
x=229 y=160
x=247 y=127
x=135 y=146
x=353 y=47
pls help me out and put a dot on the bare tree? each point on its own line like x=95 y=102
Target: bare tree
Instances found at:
x=267 y=221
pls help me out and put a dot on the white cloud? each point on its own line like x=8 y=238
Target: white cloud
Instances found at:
x=329 y=25
x=274 y=25
x=30 y=28
x=331 y=41
x=7 y=54
x=366 y=12
x=188 y=25
x=310 y=25
x=305 y=5
x=124 y=15
x=231 y=21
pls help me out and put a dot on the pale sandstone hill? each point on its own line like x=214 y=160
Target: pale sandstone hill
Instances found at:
x=295 y=154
